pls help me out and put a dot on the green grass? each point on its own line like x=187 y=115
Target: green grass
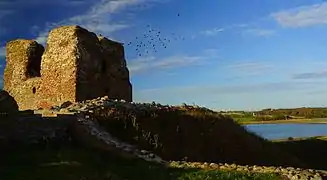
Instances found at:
x=69 y=162
x=244 y=119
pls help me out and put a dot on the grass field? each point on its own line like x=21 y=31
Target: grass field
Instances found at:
x=74 y=163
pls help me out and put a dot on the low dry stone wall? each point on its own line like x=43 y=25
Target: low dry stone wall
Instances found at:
x=287 y=172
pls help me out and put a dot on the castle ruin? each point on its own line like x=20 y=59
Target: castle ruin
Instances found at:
x=76 y=65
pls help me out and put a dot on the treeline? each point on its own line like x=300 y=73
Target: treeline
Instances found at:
x=271 y=117
x=296 y=112
x=250 y=116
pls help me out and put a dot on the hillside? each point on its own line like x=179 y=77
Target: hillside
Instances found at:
x=102 y=136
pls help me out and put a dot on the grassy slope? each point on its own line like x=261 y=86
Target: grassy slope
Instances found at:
x=198 y=135
x=310 y=150
x=70 y=162
x=74 y=162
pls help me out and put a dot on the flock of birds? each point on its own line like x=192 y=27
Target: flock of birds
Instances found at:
x=152 y=40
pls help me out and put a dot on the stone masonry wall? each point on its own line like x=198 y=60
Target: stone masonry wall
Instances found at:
x=22 y=73
x=58 y=67
x=116 y=72
x=76 y=65
x=106 y=70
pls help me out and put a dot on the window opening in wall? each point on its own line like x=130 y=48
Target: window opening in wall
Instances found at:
x=34 y=90
x=34 y=62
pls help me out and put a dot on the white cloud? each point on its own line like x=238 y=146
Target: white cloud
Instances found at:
x=42 y=38
x=98 y=18
x=153 y=63
x=302 y=16
x=141 y=65
x=2 y=52
x=260 y=32
x=212 y=32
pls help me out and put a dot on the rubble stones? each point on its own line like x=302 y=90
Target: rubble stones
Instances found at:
x=288 y=172
x=111 y=143
x=8 y=105
x=65 y=104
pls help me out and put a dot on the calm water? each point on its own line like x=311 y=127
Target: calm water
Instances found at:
x=279 y=131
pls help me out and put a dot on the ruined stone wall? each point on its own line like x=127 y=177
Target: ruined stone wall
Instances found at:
x=106 y=67
x=22 y=73
x=23 y=62
x=75 y=66
x=58 y=67
x=115 y=78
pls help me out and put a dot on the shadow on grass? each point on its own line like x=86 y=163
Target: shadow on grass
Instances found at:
x=72 y=162
x=311 y=151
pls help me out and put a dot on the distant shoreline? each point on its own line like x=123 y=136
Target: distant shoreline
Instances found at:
x=300 y=139
x=290 y=121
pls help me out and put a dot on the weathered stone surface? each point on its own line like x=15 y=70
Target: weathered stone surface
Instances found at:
x=23 y=61
x=27 y=94
x=75 y=66
x=8 y=105
x=114 y=68
x=288 y=173
x=59 y=65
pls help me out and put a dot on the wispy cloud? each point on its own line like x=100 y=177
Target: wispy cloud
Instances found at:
x=4 y=13
x=2 y=52
x=260 y=32
x=146 y=64
x=98 y=18
x=42 y=2
x=250 y=67
x=75 y=2
x=152 y=63
x=212 y=32
x=310 y=75
x=302 y=16
x=232 y=89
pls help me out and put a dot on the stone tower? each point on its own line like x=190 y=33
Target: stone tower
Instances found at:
x=76 y=65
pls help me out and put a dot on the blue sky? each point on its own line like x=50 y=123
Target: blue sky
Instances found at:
x=235 y=54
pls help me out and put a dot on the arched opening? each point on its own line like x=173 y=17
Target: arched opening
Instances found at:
x=34 y=90
x=34 y=61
